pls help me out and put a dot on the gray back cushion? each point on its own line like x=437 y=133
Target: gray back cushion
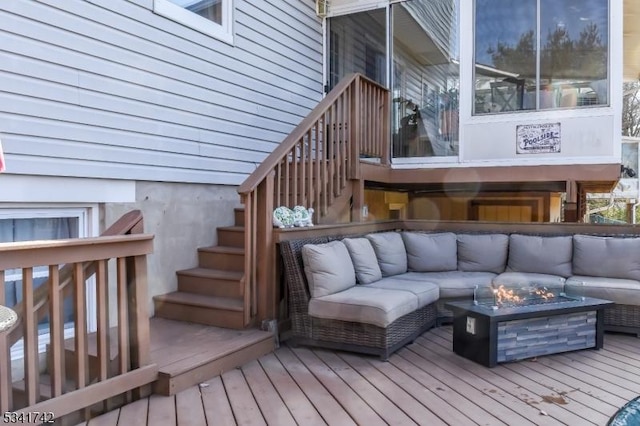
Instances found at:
x=364 y=260
x=431 y=252
x=483 y=253
x=390 y=252
x=606 y=257
x=540 y=255
x=328 y=268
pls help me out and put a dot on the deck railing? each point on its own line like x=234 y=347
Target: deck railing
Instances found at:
x=316 y=166
x=93 y=366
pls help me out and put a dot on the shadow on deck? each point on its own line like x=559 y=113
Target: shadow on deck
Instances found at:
x=424 y=383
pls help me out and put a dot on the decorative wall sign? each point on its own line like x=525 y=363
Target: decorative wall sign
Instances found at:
x=538 y=138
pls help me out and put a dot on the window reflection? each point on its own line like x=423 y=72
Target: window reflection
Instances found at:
x=572 y=55
x=210 y=9
x=425 y=80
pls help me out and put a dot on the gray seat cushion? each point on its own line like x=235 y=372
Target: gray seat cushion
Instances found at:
x=425 y=291
x=606 y=257
x=453 y=283
x=622 y=291
x=364 y=304
x=482 y=253
x=541 y=255
x=390 y=252
x=430 y=252
x=528 y=279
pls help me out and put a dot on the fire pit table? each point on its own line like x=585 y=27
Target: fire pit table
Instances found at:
x=491 y=331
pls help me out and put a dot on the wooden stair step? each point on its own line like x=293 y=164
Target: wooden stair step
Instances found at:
x=211 y=282
x=238 y=216
x=230 y=236
x=188 y=354
x=221 y=257
x=197 y=308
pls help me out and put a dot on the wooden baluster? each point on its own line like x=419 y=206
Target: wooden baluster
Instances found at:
x=355 y=130
x=309 y=176
x=31 y=367
x=296 y=175
x=278 y=186
x=331 y=158
x=317 y=184
x=102 y=296
x=80 y=323
x=123 y=316
x=303 y=173
x=325 y=160
x=386 y=131
x=6 y=393
x=350 y=124
x=287 y=180
x=56 y=325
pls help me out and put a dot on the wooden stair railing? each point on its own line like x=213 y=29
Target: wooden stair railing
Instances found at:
x=316 y=165
x=70 y=262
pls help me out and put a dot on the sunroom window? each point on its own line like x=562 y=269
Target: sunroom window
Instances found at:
x=212 y=17
x=540 y=54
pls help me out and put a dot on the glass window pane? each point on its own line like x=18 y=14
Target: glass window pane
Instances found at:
x=574 y=51
x=505 y=55
x=425 y=78
x=210 y=9
x=357 y=44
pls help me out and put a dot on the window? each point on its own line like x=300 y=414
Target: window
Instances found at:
x=540 y=54
x=212 y=17
x=42 y=224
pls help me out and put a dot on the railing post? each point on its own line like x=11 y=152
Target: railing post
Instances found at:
x=358 y=200
x=386 y=129
x=265 y=257
x=355 y=129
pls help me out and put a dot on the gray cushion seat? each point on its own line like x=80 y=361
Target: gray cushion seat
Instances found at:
x=452 y=283
x=426 y=292
x=618 y=290
x=364 y=304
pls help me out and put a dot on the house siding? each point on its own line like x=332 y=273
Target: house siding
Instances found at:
x=109 y=89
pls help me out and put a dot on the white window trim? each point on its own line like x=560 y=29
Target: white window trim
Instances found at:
x=222 y=32
x=88 y=226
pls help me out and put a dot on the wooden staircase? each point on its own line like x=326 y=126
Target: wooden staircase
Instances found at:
x=213 y=292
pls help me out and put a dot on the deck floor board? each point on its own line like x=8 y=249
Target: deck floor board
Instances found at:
x=423 y=383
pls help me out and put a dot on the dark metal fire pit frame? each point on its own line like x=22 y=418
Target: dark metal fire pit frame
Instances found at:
x=526 y=331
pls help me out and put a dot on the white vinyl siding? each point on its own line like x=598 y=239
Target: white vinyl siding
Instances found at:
x=109 y=89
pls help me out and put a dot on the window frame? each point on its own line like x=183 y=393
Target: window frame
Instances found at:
x=222 y=31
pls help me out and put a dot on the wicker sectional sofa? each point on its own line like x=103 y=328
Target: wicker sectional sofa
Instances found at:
x=375 y=293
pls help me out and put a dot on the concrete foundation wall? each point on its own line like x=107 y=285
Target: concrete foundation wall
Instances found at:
x=182 y=217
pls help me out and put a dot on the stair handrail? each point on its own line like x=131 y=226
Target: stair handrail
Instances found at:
x=317 y=164
x=129 y=223
x=268 y=164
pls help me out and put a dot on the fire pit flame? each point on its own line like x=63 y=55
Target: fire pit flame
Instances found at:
x=512 y=297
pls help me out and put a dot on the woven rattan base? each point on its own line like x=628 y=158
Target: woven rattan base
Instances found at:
x=367 y=338
x=622 y=318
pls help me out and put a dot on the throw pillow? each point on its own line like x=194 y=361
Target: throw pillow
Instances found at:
x=482 y=253
x=540 y=255
x=430 y=252
x=364 y=260
x=328 y=268
x=390 y=252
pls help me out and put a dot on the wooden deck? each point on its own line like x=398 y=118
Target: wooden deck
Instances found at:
x=424 y=383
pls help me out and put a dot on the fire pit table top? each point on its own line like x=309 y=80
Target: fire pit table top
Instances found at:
x=563 y=303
